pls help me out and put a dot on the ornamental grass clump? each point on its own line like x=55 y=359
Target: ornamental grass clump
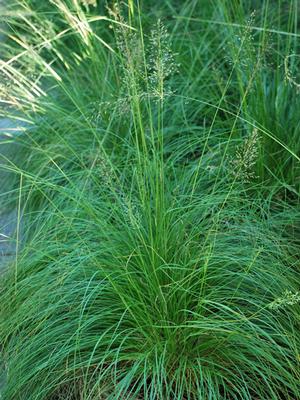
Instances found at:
x=157 y=248
x=179 y=301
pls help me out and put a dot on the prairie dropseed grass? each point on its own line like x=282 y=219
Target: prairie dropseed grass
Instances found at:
x=158 y=182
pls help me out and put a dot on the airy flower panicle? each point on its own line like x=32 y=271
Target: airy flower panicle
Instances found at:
x=161 y=62
x=287 y=299
x=87 y=3
x=290 y=77
x=241 y=166
x=146 y=63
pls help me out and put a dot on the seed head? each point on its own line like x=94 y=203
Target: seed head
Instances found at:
x=287 y=299
x=241 y=166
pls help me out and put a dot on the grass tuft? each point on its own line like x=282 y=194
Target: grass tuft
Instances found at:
x=157 y=192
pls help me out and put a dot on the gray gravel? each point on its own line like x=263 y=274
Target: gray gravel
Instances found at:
x=8 y=218
x=8 y=225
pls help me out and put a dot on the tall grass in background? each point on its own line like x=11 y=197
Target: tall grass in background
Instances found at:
x=157 y=182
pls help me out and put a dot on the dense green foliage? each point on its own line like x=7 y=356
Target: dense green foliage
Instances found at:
x=157 y=185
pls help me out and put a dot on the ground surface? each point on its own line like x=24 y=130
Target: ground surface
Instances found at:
x=8 y=218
